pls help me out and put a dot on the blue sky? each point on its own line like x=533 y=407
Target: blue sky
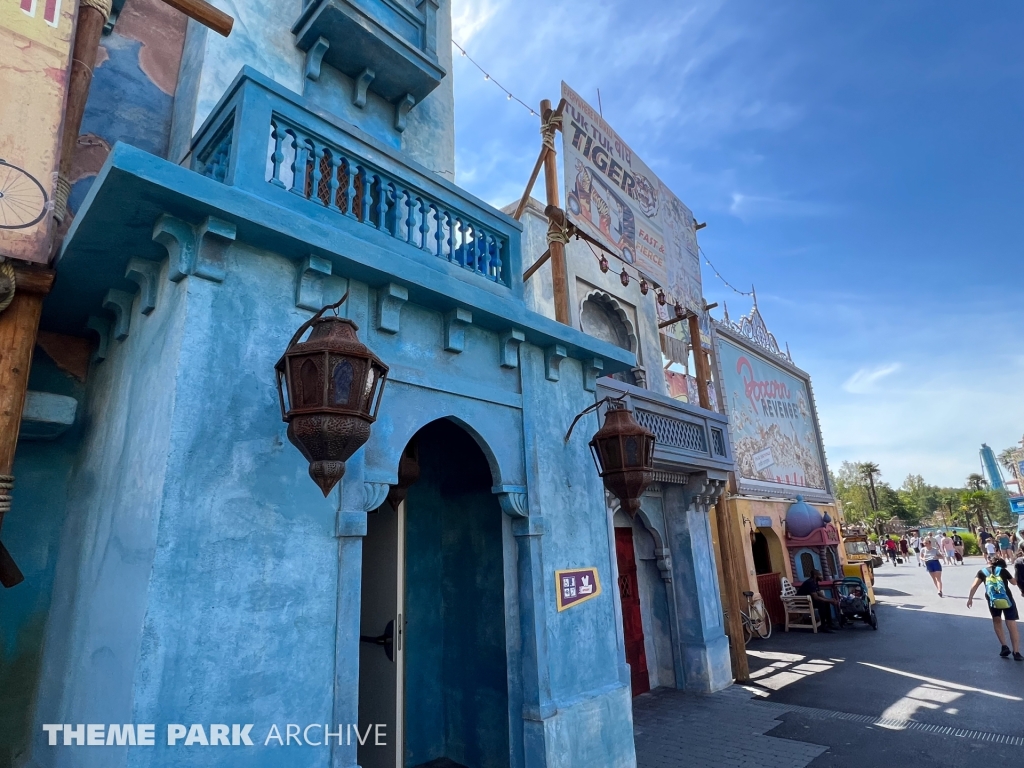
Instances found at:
x=861 y=164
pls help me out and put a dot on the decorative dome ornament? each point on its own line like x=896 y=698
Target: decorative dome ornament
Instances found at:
x=802 y=519
x=329 y=388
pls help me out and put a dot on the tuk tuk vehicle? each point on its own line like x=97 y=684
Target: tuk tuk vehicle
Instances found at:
x=858 y=552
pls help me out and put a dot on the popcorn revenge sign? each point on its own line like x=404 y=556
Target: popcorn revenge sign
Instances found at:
x=576 y=586
x=772 y=421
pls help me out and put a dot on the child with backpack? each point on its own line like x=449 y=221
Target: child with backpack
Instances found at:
x=1001 y=605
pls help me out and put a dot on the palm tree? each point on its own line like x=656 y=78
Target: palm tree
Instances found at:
x=978 y=503
x=869 y=471
x=976 y=482
x=1009 y=459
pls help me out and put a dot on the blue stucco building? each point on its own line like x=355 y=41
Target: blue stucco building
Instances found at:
x=181 y=566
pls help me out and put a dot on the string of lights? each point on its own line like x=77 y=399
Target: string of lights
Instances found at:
x=639 y=276
x=487 y=76
x=726 y=282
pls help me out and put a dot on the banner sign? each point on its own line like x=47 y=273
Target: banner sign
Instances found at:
x=576 y=586
x=772 y=422
x=35 y=51
x=615 y=198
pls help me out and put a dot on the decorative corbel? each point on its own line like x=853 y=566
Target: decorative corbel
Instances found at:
x=455 y=323
x=198 y=251
x=213 y=236
x=102 y=327
x=513 y=500
x=360 y=85
x=390 y=299
x=144 y=273
x=663 y=557
x=179 y=239
x=120 y=304
x=309 y=284
x=509 y=345
x=374 y=495
x=553 y=357
x=314 y=58
x=592 y=370
x=402 y=109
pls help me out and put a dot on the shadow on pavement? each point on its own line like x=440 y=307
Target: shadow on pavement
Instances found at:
x=931 y=667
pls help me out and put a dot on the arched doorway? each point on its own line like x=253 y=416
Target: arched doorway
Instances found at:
x=602 y=318
x=436 y=564
x=762 y=555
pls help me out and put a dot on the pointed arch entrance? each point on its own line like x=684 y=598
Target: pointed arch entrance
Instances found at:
x=434 y=562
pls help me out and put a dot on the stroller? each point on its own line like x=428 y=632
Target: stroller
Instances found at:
x=854 y=603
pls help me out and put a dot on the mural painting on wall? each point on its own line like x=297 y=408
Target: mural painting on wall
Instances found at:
x=35 y=51
x=772 y=422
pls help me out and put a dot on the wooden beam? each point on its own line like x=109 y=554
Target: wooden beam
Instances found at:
x=529 y=185
x=205 y=14
x=559 y=272
x=700 y=361
x=537 y=265
x=734 y=575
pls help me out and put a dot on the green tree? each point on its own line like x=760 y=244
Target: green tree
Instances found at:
x=869 y=471
x=976 y=482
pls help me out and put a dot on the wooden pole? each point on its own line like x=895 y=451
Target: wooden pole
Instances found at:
x=700 y=362
x=92 y=15
x=537 y=265
x=205 y=14
x=559 y=273
x=733 y=573
x=529 y=185
x=18 y=325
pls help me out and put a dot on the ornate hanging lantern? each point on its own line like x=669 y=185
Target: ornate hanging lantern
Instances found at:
x=661 y=298
x=330 y=387
x=603 y=263
x=624 y=277
x=644 y=287
x=624 y=454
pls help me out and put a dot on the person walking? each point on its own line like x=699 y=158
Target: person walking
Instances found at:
x=1005 y=547
x=930 y=549
x=904 y=547
x=946 y=545
x=958 y=545
x=915 y=544
x=890 y=549
x=1001 y=605
x=990 y=549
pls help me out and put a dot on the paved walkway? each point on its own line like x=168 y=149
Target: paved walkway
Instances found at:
x=674 y=729
x=927 y=688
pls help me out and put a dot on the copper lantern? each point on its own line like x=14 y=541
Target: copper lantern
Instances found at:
x=624 y=453
x=330 y=388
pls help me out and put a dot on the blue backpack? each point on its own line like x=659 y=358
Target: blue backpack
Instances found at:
x=995 y=589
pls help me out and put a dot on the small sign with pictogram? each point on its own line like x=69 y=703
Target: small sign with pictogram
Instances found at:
x=576 y=586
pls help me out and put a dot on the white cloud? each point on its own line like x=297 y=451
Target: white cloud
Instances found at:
x=864 y=380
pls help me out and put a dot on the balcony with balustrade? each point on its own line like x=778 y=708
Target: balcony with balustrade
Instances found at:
x=269 y=168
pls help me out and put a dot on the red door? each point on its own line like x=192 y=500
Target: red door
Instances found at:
x=632 y=626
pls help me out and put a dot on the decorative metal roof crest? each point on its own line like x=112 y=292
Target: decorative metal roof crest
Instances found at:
x=752 y=327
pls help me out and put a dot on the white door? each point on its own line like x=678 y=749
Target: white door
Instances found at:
x=382 y=631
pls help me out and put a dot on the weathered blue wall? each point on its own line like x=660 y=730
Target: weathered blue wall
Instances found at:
x=31 y=533
x=455 y=663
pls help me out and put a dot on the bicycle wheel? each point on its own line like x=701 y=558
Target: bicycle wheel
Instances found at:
x=764 y=627
x=22 y=198
x=748 y=631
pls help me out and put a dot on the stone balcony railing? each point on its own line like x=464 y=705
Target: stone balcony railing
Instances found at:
x=687 y=438
x=262 y=139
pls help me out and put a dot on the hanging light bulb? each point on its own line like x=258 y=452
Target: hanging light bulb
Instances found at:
x=510 y=97
x=486 y=76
